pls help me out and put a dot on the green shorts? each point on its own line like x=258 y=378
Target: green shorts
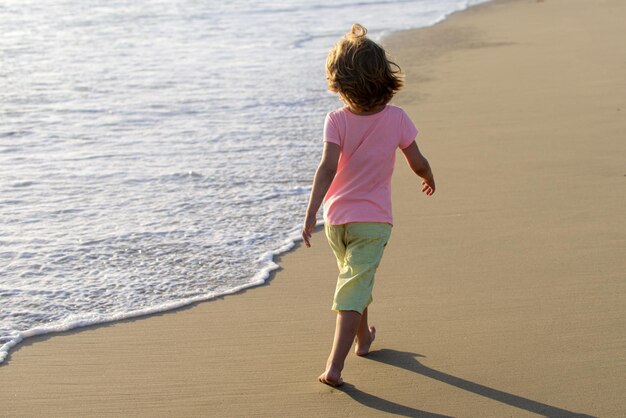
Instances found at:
x=358 y=247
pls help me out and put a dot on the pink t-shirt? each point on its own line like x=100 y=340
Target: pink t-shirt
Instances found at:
x=361 y=189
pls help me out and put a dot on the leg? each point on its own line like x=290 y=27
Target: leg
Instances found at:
x=364 y=337
x=345 y=332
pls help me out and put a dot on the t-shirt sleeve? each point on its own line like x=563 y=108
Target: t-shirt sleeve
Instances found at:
x=408 y=131
x=331 y=134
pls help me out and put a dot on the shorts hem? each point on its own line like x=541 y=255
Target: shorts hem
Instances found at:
x=338 y=308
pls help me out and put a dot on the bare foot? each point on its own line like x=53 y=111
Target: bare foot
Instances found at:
x=363 y=347
x=331 y=378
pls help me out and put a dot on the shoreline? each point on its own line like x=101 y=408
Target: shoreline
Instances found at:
x=260 y=278
x=513 y=308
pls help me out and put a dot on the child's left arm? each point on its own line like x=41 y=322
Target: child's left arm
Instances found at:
x=323 y=178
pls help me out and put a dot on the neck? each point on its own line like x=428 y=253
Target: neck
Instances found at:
x=368 y=112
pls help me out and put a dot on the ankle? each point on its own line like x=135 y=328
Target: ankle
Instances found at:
x=335 y=365
x=364 y=337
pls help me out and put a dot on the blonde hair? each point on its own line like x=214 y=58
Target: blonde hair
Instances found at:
x=358 y=69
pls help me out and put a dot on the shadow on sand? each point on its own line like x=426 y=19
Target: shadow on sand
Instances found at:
x=384 y=405
x=408 y=361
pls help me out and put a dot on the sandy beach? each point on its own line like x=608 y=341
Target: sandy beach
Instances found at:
x=504 y=295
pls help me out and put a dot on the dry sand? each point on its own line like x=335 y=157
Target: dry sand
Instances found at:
x=503 y=295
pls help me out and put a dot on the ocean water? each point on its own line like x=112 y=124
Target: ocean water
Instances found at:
x=158 y=153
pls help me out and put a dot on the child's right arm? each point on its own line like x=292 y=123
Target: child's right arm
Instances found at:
x=323 y=178
x=419 y=165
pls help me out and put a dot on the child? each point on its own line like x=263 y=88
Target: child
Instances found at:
x=354 y=181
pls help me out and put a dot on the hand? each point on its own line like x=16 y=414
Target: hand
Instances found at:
x=428 y=187
x=307 y=229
